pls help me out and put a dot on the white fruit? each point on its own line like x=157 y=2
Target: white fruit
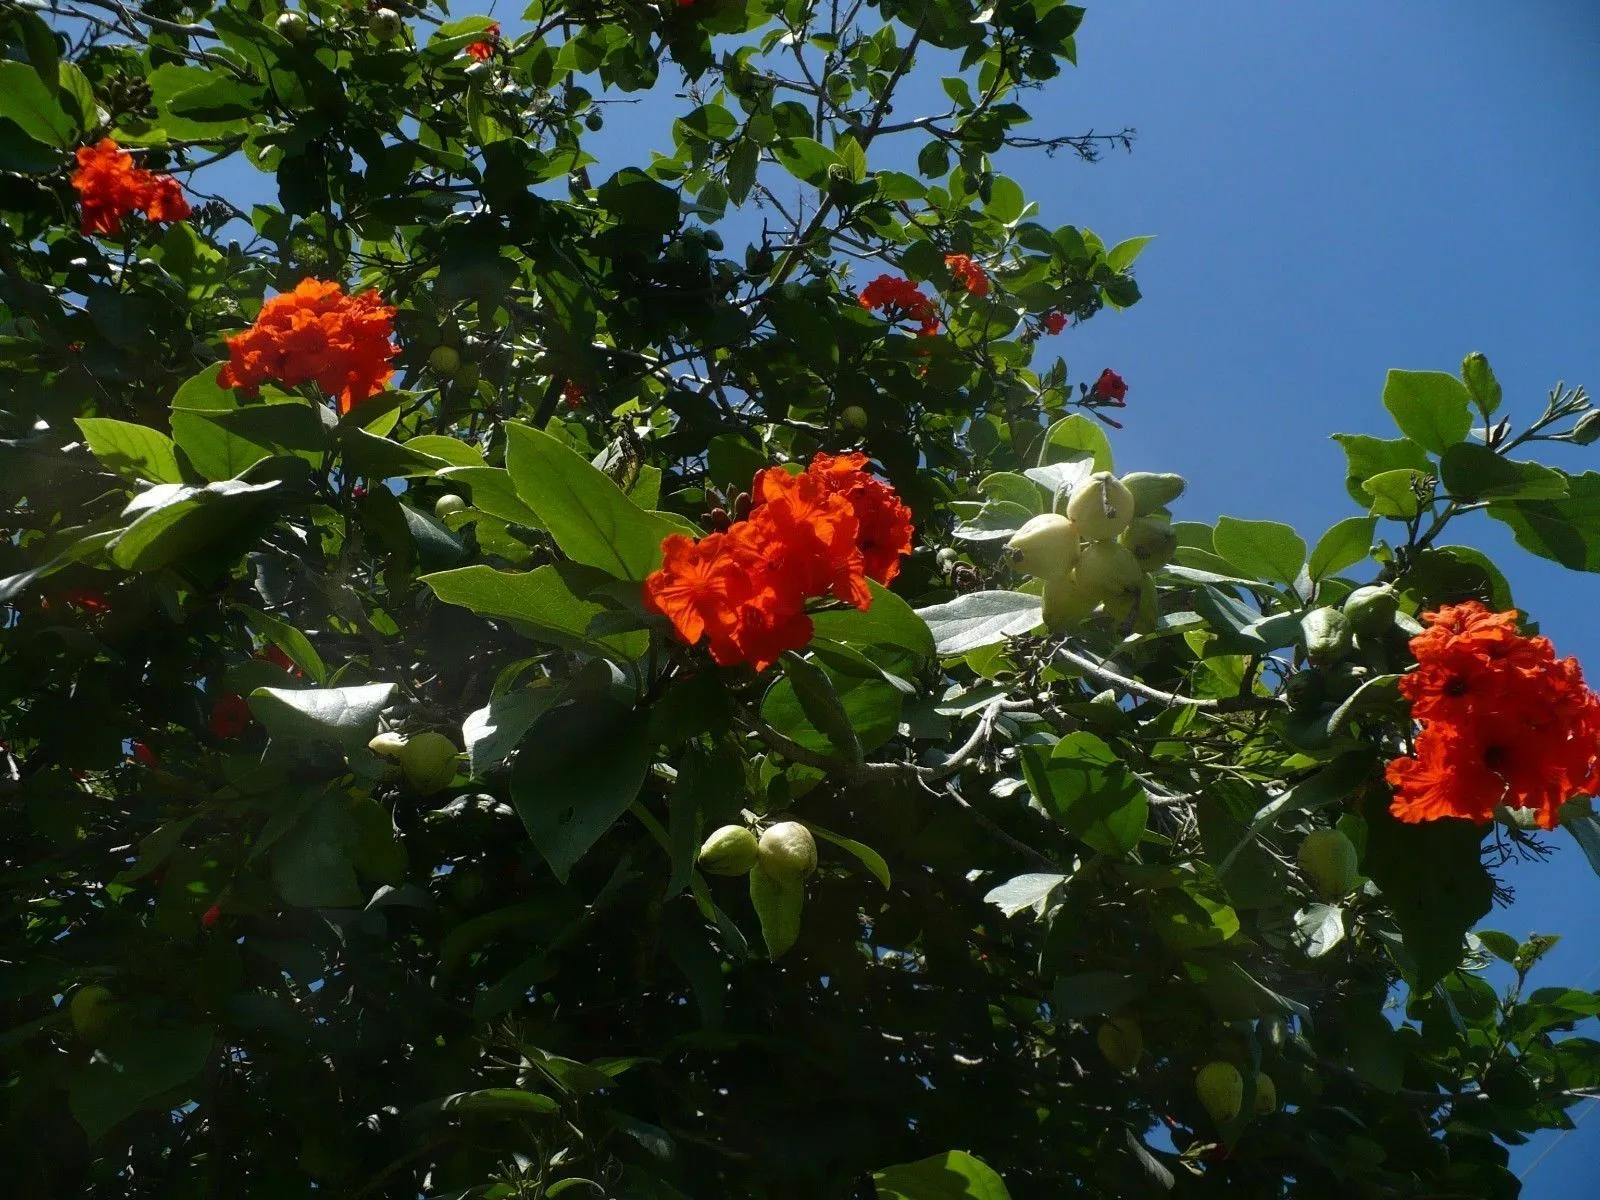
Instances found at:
x=1066 y=602
x=787 y=851
x=1109 y=572
x=1101 y=506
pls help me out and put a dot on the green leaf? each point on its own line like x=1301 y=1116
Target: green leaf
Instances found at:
x=578 y=769
x=493 y=493
x=1566 y=531
x=1072 y=436
x=1334 y=784
x=134 y=450
x=310 y=864
x=889 y=621
x=1344 y=545
x=1121 y=256
x=287 y=638
x=980 y=619
x=587 y=514
x=452 y=450
x=1434 y=907
x=375 y=457
x=1369 y=456
x=1318 y=928
x=345 y=716
x=871 y=708
x=492 y=732
x=869 y=858
x=1431 y=408
x=1089 y=791
x=778 y=904
x=806 y=159
x=814 y=689
x=1261 y=549
x=1398 y=494
x=953 y=1175
x=640 y=202
x=1481 y=383
x=174 y=522
x=1033 y=891
x=543 y=603
x=136 y=1068
x=25 y=99
x=223 y=443
x=995 y=520
x=486 y=1102
x=1473 y=472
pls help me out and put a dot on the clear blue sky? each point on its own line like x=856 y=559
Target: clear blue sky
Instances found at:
x=1338 y=189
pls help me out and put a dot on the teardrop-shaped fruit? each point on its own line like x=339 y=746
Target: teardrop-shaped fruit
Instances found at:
x=1121 y=1041
x=1330 y=861
x=1221 y=1090
x=387 y=745
x=1109 y=572
x=1152 y=491
x=1101 y=506
x=428 y=761
x=1371 y=609
x=1266 y=1095
x=1152 y=541
x=1066 y=602
x=787 y=851
x=1328 y=635
x=1046 y=547
x=731 y=850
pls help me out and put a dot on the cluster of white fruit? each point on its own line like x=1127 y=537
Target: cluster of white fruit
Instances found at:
x=786 y=851
x=1115 y=532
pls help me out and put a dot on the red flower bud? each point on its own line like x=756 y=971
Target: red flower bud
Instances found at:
x=230 y=715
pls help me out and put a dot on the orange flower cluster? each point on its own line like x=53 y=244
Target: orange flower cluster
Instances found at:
x=483 y=51
x=967 y=273
x=316 y=334
x=826 y=530
x=111 y=188
x=900 y=300
x=1503 y=722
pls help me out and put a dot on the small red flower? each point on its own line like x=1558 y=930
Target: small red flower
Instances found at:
x=967 y=273
x=88 y=599
x=483 y=51
x=145 y=756
x=211 y=915
x=230 y=715
x=573 y=393
x=1055 y=322
x=358 y=491
x=1110 y=386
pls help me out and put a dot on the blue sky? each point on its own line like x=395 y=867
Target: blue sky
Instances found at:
x=1338 y=190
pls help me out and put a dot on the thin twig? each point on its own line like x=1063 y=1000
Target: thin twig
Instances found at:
x=1144 y=691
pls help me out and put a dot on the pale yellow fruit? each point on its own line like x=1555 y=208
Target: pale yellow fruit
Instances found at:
x=1221 y=1090
x=1101 y=506
x=1066 y=602
x=428 y=761
x=1266 y=1095
x=730 y=850
x=1122 y=1042
x=1046 y=547
x=1109 y=572
x=787 y=851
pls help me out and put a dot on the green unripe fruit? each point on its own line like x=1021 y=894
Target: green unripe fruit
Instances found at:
x=444 y=360
x=1305 y=689
x=1109 y=572
x=1121 y=1041
x=1066 y=603
x=91 y=1008
x=1478 y=375
x=1046 y=547
x=385 y=24
x=1101 y=506
x=1587 y=430
x=731 y=850
x=787 y=851
x=466 y=375
x=594 y=122
x=1152 y=541
x=1221 y=1090
x=1328 y=635
x=1152 y=491
x=1266 y=1095
x=447 y=504
x=428 y=761
x=1371 y=609
x=387 y=745
x=1344 y=678
x=853 y=417
x=291 y=24
x=1330 y=861
x=946 y=558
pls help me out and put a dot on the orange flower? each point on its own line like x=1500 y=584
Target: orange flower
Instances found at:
x=316 y=334
x=883 y=521
x=744 y=591
x=1503 y=722
x=483 y=51
x=111 y=187
x=968 y=273
x=900 y=299
x=1055 y=322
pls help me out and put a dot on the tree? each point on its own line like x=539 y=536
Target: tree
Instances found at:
x=508 y=696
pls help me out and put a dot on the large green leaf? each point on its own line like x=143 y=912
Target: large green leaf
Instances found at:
x=139 y=1067
x=1431 y=408
x=1090 y=792
x=590 y=518
x=889 y=621
x=493 y=493
x=871 y=709
x=953 y=1175
x=1566 y=531
x=1368 y=456
x=311 y=862
x=1345 y=544
x=544 y=603
x=25 y=99
x=492 y=732
x=223 y=443
x=819 y=700
x=345 y=716
x=1073 y=436
x=980 y=619
x=172 y=522
x=578 y=769
x=1473 y=472
x=1261 y=549
x=134 y=450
